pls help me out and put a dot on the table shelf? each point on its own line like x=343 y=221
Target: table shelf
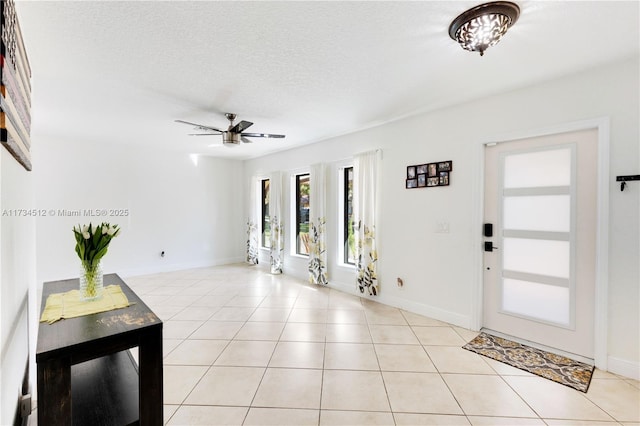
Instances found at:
x=104 y=391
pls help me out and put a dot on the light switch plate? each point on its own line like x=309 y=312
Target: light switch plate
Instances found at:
x=442 y=228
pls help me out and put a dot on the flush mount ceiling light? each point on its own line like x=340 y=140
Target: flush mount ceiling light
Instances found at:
x=484 y=25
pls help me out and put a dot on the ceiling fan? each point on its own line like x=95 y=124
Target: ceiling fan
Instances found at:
x=234 y=133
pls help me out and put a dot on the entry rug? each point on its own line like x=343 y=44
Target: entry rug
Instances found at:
x=554 y=367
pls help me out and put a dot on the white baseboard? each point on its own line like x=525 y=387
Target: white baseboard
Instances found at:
x=408 y=305
x=154 y=269
x=346 y=288
x=296 y=267
x=453 y=318
x=622 y=367
x=296 y=270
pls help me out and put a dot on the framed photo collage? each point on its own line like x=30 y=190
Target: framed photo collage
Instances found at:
x=429 y=175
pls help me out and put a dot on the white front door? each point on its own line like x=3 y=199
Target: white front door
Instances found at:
x=539 y=280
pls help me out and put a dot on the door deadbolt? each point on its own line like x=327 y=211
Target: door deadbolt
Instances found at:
x=488 y=246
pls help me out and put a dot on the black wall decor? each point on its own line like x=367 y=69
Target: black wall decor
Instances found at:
x=429 y=175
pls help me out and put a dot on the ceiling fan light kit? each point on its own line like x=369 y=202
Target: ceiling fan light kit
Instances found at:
x=483 y=26
x=234 y=135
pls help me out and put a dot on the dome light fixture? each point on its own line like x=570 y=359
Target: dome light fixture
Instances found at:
x=483 y=26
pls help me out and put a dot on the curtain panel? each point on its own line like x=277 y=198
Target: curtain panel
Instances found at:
x=365 y=195
x=277 y=225
x=252 y=223
x=317 y=221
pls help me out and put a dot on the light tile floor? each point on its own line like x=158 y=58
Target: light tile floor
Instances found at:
x=242 y=346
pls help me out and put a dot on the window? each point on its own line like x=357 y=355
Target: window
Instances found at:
x=302 y=214
x=346 y=255
x=348 y=241
x=266 y=219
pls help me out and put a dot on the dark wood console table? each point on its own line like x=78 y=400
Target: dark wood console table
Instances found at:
x=85 y=354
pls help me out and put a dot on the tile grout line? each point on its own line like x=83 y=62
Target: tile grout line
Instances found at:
x=521 y=398
x=206 y=371
x=167 y=282
x=209 y=368
x=268 y=362
x=384 y=383
x=440 y=375
x=324 y=356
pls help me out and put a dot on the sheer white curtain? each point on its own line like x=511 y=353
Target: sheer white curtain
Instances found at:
x=317 y=221
x=277 y=226
x=365 y=194
x=252 y=223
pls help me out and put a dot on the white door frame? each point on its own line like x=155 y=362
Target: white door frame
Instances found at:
x=602 y=224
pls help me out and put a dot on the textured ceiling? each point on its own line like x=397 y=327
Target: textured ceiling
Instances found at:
x=121 y=72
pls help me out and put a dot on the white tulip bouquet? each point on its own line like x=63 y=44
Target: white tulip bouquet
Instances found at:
x=92 y=243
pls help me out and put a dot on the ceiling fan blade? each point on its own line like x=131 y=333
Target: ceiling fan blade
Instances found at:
x=245 y=140
x=262 y=135
x=241 y=126
x=199 y=126
x=205 y=134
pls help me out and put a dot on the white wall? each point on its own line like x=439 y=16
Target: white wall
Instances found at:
x=17 y=278
x=440 y=271
x=191 y=209
x=171 y=204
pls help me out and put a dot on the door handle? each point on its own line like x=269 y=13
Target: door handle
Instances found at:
x=488 y=246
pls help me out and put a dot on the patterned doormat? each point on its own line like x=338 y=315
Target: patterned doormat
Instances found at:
x=554 y=367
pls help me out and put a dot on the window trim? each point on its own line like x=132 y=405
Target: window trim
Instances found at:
x=297 y=207
x=262 y=212
x=342 y=213
x=258 y=211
